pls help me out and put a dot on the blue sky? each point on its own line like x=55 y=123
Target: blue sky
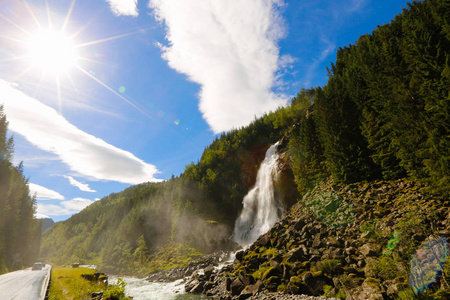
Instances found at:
x=105 y=94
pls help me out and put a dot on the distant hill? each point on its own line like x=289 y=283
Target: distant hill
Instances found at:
x=47 y=223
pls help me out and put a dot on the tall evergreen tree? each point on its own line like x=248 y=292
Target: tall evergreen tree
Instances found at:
x=19 y=230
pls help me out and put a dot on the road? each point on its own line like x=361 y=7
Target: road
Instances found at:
x=24 y=284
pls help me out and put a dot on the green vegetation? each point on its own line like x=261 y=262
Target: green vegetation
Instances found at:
x=116 y=291
x=172 y=256
x=67 y=283
x=328 y=266
x=77 y=284
x=19 y=230
x=263 y=269
x=122 y=232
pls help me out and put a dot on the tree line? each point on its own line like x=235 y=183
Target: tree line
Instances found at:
x=20 y=232
x=384 y=112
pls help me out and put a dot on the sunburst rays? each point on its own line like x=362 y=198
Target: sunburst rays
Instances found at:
x=42 y=72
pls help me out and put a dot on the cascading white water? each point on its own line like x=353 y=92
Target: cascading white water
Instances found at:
x=260 y=208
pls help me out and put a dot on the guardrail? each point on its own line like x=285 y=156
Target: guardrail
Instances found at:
x=46 y=285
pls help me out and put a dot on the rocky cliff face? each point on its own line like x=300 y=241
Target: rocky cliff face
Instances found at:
x=381 y=240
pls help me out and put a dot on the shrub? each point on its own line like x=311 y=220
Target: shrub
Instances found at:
x=116 y=291
x=328 y=265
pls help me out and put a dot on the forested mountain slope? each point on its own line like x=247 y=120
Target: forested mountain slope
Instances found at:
x=384 y=114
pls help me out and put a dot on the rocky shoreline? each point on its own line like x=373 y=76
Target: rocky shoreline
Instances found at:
x=352 y=241
x=214 y=260
x=211 y=266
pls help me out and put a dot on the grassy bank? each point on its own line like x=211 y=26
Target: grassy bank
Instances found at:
x=79 y=283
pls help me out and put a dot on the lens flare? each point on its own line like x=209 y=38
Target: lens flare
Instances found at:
x=122 y=89
x=427 y=264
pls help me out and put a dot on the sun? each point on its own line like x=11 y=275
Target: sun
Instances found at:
x=52 y=52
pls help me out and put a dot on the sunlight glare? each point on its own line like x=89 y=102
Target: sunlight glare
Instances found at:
x=52 y=51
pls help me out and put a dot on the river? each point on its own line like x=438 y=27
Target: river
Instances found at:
x=141 y=289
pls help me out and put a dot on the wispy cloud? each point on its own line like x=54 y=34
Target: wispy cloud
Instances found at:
x=82 y=186
x=83 y=153
x=124 y=7
x=68 y=207
x=230 y=49
x=43 y=193
x=327 y=49
x=356 y=5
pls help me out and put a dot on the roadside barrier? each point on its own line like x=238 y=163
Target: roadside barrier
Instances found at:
x=46 y=285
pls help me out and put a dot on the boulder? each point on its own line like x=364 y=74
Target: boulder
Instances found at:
x=240 y=255
x=369 y=290
x=315 y=282
x=264 y=240
x=317 y=241
x=272 y=283
x=369 y=250
x=245 y=279
x=297 y=254
x=236 y=287
x=296 y=286
x=197 y=288
x=208 y=285
x=190 y=285
x=299 y=224
x=208 y=271
x=251 y=290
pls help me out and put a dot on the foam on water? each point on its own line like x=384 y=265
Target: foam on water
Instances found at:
x=141 y=289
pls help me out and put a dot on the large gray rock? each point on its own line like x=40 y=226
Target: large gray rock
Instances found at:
x=253 y=289
x=236 y=287
x=369 y=290
x=369 y=250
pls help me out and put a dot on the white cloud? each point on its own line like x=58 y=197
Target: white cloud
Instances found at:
x=43 y=193
x=124 y=7
x=85 y=154
x=68 y=207
x=230 y=49
x=82 y=186
x=41 y=216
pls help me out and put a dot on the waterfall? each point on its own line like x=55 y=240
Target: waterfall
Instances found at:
x=260 y=208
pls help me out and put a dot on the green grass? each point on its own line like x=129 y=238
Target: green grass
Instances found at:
x=173 y=255
x=328 y=265
x=67 y=284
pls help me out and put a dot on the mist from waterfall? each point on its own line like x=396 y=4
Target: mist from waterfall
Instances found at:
x=260 y=208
